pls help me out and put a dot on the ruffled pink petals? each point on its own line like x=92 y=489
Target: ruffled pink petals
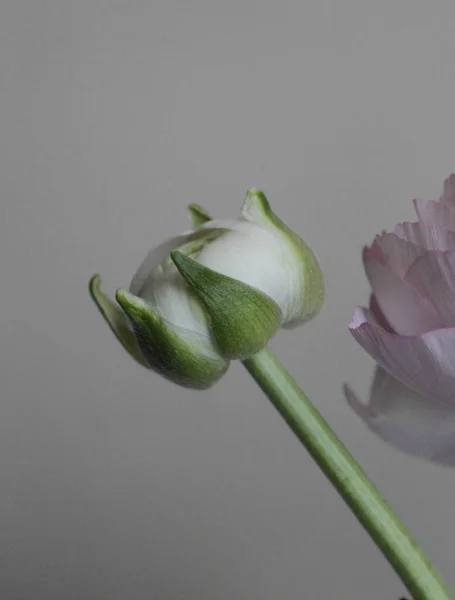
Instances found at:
x=410 y=326
x=434 y=276
x=431 y=212
x=407 y=311
x=425 y=363
x=399 y=254
x=407 y=420
x=377 y=315
x=448 y=195
x=373 y=253
x=430 y=237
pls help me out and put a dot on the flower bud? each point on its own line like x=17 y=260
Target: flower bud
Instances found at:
x=216 y=293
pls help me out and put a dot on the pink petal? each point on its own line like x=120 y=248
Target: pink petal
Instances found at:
x=407 y=311
x=378 y=315
x=424 y=363
x=373 y=253
x=399 y=254
x=431 y=212
x=430 y=237
x=448 y=195
x=407 y=420
x=434 y=276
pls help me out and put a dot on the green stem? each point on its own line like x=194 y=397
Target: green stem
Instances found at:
x=373 y=512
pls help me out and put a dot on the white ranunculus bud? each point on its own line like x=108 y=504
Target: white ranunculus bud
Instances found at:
x=216 y=293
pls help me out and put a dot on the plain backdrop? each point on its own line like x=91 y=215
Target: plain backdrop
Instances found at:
x=114 y=116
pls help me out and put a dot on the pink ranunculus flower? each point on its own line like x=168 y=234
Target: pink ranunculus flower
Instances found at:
x=409 y=327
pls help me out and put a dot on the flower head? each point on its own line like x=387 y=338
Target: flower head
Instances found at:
x=409 y=327
x=215 y=293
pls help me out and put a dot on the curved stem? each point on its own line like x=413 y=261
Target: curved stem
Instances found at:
x=373 y=512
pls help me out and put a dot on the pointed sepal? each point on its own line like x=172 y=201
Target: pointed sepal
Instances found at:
x=181 y=356
x=116 y=320
x=198 y=215
x=241 y=318
x=306 y=280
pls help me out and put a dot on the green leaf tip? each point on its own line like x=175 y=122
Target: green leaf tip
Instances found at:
x=116 y=319
x=242 y=318
x=198 y=215
x=183 y=357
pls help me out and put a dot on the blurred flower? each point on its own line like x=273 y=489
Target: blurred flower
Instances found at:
x=215 y=293
x=407 y=420
x=409 y=328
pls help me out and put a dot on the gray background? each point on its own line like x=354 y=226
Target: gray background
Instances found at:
x=113 y=117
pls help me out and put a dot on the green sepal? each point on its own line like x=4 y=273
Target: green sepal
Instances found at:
x=311 y=287
x=116 y=320
x=181 y=356
x=241 y=318
x=198 y=215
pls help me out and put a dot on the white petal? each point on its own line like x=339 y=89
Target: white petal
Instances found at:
x=160 y=253
x=252 y=255
x=168 y=292
x=153 y=259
